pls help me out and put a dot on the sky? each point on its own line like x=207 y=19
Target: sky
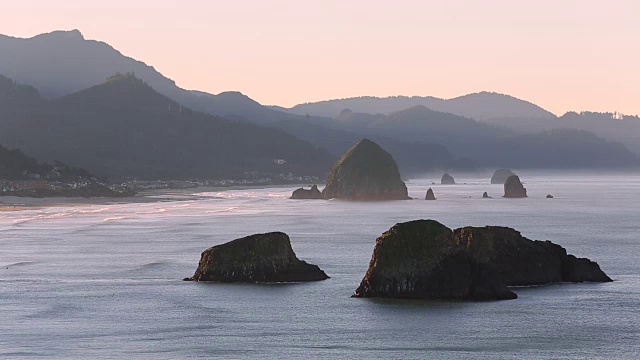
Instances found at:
x=562 y=55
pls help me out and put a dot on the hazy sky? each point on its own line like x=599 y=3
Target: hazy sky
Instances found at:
x=561 y=54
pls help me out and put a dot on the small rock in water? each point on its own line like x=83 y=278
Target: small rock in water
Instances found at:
x=549 y=196
x=485 y=195
x=430 y=195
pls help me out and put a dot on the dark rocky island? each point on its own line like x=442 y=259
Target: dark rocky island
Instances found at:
x=447 y=179
x=430 y=195
x=424 y=259
x=303 y=193
x=365 y=172
x=500 y=176
x=513 y=188
x=549 y=196
x=260 y=258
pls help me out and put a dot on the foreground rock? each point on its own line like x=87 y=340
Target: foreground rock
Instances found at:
x=500 y=176
x=430 y=195
x=303 y=193
x=513 y=188
x=424 y=259
x=260 y=258
x=365 y=172
x=447 y=179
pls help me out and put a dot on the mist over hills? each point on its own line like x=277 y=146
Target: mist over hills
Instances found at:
x=131 y=127
x=123 y=127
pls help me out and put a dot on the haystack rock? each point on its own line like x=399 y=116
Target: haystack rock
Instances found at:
x=303 y=193
x=424 y=259
x=513 y=188
x=447 y=179
x=500 y=176
x=365 y=172
x=430 y=195
x=260 y=258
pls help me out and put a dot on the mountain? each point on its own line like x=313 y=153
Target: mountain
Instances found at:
x=478 y=106
x=486 y=145
x=123 y=127
x=64 y=62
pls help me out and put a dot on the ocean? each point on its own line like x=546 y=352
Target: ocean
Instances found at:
x=105 y=281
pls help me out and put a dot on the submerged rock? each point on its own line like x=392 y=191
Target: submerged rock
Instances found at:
x=303 y=193
x=485 y=195
x=424 y=259
x=549 y=196
x=260 y=258
x=500 y=176
x=513 y=188
x=430 y=195
x=447 y=179
x=365 y=172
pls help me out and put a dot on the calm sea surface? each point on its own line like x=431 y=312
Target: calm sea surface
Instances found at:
x=104 y=281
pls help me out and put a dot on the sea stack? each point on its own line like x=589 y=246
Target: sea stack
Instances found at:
x=260 y=258
x=513 y=188
x=430 y=195
x=365 y=172
x=424 y=259
x=500 y=176
x=447 y=179
x=303 y=193
x=485 y=195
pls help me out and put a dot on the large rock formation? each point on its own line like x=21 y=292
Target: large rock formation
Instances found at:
x=365 y=172
x=513 y=188
x=303 y=193
x=424 y=259
x=500 y=176
x=260 y=258
x=430 y=195
x=447 y=179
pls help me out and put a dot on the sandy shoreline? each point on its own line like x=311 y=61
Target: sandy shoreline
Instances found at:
x=14 y=203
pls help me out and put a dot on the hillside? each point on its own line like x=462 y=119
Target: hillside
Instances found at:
x=123 y=127
x=478 y=106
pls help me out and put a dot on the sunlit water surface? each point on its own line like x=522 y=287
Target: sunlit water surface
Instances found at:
x=105 y=281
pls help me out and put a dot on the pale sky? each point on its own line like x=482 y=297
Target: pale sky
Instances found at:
x=560 y=54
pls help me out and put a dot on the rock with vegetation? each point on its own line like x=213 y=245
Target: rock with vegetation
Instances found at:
x=259 y=258
x=430 y=195
x=513 y=188
x=447 y=179
x=303 y=193
x=365 y=172
x=424 y=259
x=500 y=176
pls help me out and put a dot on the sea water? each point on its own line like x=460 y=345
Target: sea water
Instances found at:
x=105 y=281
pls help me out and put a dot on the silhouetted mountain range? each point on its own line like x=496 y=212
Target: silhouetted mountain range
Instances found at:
x=484 y=105
x=123 y=127
x=422 y=133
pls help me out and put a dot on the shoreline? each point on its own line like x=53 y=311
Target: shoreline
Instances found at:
x=15 y=203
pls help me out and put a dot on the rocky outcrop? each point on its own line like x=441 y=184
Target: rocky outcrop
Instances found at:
x=500 y=176
x=513 y=188
x=485 y=195
x=424 y=259
x=303 y=193
x=365 y=172
x=430 y=195
x=549 y=196
x=260 y=258
x=447 y=179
